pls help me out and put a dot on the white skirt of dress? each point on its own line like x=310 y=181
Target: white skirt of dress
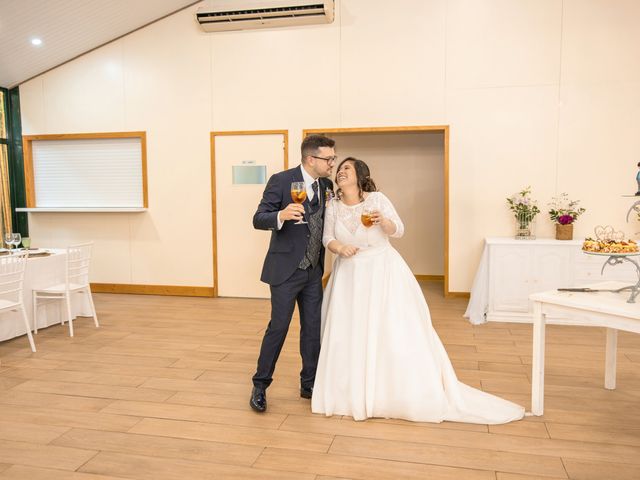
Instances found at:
x=381 y=356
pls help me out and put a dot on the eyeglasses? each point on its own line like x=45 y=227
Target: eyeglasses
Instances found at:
x=326 y=159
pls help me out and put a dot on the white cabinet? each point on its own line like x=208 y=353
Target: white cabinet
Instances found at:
x=511 y=270
x=509 y=279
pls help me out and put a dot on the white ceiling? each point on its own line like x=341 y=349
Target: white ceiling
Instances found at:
x=67 y=28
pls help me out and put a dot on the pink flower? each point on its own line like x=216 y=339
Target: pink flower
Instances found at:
x=565 y=219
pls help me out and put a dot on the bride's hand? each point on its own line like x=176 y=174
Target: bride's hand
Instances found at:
x=347 y=251
x=376 y=217
x=387 y=225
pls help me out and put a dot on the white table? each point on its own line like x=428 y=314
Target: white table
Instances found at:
x=597 y=309
x=43 y=272
x=510 y=270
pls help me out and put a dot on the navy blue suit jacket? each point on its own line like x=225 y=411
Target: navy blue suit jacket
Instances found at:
x=288 y=245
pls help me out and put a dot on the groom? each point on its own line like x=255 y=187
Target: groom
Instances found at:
x=294 y=263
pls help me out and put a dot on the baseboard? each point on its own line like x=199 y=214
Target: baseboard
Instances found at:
x=430 y=278
x=172 y=290
x=457 y=294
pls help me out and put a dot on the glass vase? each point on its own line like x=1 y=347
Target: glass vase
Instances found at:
x=525 y=226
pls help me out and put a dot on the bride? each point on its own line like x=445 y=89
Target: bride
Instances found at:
x=380 y=355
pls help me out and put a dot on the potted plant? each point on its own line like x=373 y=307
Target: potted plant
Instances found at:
x=525 y=209
x=563 y=212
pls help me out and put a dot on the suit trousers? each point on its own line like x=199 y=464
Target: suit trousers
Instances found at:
x=305 y=288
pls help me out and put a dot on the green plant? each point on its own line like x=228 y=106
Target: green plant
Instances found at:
x=564 y=211
x=523 y=206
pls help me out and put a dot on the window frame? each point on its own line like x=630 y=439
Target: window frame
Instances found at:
x=28 y=140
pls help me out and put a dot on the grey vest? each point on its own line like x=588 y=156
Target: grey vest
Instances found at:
x=315 y=219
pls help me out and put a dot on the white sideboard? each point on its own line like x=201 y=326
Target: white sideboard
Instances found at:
x=510 y=270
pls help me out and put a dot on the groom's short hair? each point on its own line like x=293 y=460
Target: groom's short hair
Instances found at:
x=312 y=143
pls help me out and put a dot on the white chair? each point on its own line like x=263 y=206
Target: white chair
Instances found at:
x=11 y=281
x=76 y=281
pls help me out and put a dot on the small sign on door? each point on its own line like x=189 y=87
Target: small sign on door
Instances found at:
x=249 y=173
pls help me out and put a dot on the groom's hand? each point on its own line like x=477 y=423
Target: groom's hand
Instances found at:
x=293 y=211
x=347 y=251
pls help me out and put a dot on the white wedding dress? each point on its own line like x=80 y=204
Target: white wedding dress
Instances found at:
x=380 y=355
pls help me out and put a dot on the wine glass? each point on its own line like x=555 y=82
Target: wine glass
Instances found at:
x=365 y=217
x=15 y=239
x=12 y=239
x=298 y=195
x=8 y=238
x=26 y=242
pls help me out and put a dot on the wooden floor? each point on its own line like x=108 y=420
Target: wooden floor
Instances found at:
x=161 y=391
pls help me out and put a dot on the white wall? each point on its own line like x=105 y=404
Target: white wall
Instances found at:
x=536 y=92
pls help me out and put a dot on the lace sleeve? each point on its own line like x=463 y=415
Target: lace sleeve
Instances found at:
x=388 y=211
x=328 y=233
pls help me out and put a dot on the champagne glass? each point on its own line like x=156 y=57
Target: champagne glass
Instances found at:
x=298 y=195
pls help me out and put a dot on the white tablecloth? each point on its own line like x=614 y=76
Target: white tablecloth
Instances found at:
x=43 y=272
x=479 y=299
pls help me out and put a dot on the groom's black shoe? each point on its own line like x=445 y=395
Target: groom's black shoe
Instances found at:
x=306 y=392
x=258 y=399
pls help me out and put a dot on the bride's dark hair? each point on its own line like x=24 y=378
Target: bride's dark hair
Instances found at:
x=363 y=176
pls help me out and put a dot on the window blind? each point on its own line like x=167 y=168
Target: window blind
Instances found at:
x=88 y=173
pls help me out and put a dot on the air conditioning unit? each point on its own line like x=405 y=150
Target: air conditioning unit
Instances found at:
x=224 y=15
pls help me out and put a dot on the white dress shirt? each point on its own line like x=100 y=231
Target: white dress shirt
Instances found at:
x=308 y=182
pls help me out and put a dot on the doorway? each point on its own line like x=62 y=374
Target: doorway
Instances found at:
x=241 y=163
x=410 y=165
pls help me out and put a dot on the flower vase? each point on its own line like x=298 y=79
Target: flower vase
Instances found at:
x=564 y=232
x=525 y=227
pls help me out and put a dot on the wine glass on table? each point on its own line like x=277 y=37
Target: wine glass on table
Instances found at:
x=12 y=239
x=16 y=239
x=8 y=238
x=299 y=195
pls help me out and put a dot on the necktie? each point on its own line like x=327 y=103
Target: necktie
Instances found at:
x=314 y=200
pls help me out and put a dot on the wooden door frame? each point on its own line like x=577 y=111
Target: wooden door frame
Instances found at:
x=444 y=129
x=214 y=218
